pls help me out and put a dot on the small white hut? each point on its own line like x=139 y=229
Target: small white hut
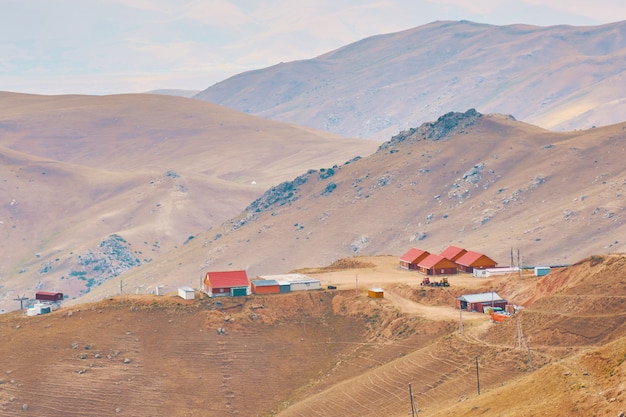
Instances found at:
x=186 y=293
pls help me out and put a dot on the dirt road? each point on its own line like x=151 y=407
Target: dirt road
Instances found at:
x=384 y=272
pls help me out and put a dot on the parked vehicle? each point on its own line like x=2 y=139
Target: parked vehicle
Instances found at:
x=426 y=282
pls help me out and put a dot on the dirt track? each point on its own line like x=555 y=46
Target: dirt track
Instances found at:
x=384 y=272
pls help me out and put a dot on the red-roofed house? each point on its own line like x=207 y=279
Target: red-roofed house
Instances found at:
x=412 y=258
x=224 y=283
x=453 y=253
x=437 y=265
x=474 y=260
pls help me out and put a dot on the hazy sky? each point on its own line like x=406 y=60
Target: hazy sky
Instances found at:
x=117 y=46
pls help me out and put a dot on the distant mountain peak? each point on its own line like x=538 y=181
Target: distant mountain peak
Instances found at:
x=556 y=77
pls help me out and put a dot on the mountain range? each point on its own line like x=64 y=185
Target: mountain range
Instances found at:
x=557 y=77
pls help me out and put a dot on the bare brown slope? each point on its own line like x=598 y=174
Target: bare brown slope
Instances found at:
x=557 y=77
x=322 y=353
x=569 y=378
x=576 y=313
x=146 y=356
x=583 y=305
x=153 y=170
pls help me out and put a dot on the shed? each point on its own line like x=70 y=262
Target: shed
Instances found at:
x=541 y=271
x=186 y=293
x=474 y=260
x=437 y=265
x=265 y=286
x=306 y=284
x=412 y=258
x=49 y=296
x=39 y=308
x=477 y=302
x=375 y=293
x=453 y=253
x=285 y=286
x=297 y=282
x=490 y=272
x=226 y=283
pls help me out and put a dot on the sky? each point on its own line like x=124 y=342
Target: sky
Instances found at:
x=100 y=47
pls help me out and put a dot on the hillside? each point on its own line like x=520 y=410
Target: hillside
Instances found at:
x=328 y=353
x=94 y=186
x=559 y=77
x=484 y=182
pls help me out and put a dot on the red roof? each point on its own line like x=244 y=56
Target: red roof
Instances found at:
x=438 y=261
x=453 y=252
x=412 y=255
x=227 y=279
x=471 y=257
x=47 y=293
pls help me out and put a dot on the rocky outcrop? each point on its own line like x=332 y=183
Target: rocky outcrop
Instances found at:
x=445 y=126
x=283 y=193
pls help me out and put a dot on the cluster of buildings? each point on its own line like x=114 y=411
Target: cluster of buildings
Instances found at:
x=46 y=302
x=236 y=283
x=451 y=261
x=454 y=260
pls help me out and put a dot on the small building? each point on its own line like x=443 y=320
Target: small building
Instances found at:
x=478 y=302
x=44 y=307
x=297 y=282
x=412 y=258
x=541 y=271
x=49 y=296
x=226 y=283
x=474 y=260
x=453 y=253
x=437 y=265
x=265 y=286
x=306 y=284
x=376 y=293
x=490 y=272
x=186 y=293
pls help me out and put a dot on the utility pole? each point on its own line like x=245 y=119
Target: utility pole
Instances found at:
x=21 y=299
x=518 y=337
x=520 y=340
x=413 y=411
x=530 y=358
x=460 y=318
x=477 y=375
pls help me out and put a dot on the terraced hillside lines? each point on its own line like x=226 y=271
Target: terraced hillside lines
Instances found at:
x=438 y=372
x=80 y=375
x=322 y=353
x=577 y=307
